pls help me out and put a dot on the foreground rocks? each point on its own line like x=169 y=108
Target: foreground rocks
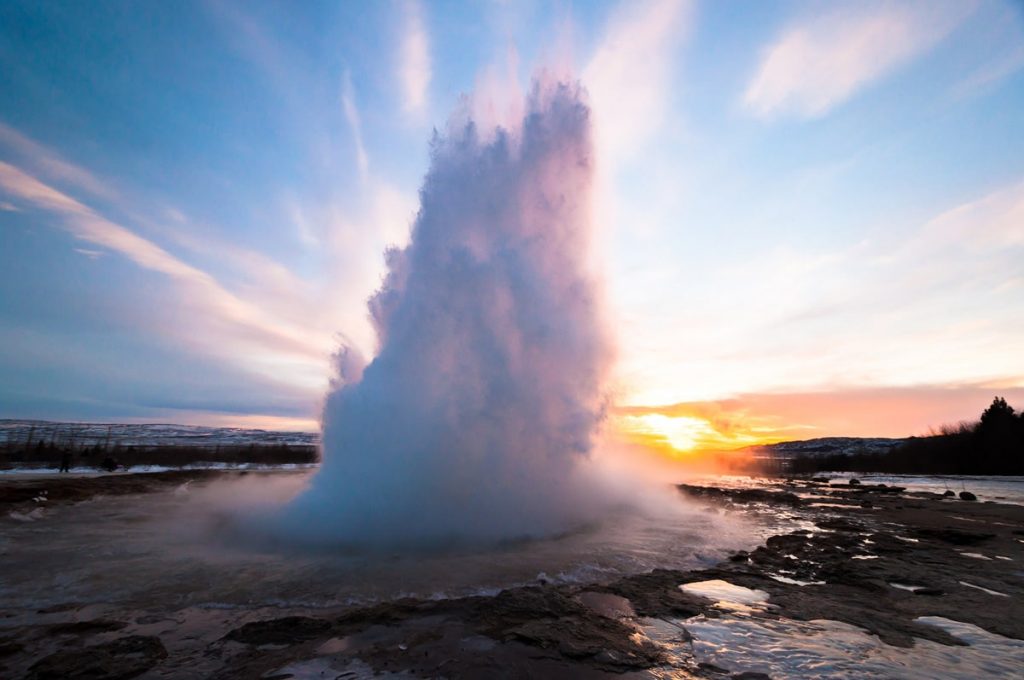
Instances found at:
x=126 y=657
x=26 y=494
x=949 y=558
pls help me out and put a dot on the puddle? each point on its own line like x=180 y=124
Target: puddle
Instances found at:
x=986 y=590
x=795 y=581
x=905 y=586
x=724 y=591
x=819 y=649
x=977 y=556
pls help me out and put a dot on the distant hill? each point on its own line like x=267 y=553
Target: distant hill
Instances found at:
x=828 y=446
x=992 y=445
x=80 y=435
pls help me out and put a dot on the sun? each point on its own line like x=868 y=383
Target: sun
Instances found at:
x=681 y=433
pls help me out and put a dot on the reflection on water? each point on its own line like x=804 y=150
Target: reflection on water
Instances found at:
x=785 y=648
x=164 y=549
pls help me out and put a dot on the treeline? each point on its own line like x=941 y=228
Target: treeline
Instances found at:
x=994 y=445
x=109 y=456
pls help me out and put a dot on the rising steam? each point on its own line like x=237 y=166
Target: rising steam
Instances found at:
x=476 y=417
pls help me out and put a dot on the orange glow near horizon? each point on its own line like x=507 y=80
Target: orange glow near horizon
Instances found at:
x=687 y=435
x=686 y=430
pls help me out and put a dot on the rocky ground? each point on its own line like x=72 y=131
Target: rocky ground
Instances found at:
x=952 y=558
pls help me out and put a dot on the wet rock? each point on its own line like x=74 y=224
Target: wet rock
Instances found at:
x=967 y=496
x=786 y=543
x=954 y=536
x=948 y=493
x=86 y=627
x=604 y=642
x=518 y=606
x=607 y=604
x=9 y=647
x=54 y=609
x=385 y=613
x=867 y=504
x=854 y=482
x=750 y=675
x=712 y=669
x=119 y=659
x=741 y=556
x=741 y=496
x=931 y=592
x=656 y=594
x=879 y=488
x=284 y=631
x=839 y=524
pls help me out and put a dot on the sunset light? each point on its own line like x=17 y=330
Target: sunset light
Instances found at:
x=511 y=339
x=684 y=434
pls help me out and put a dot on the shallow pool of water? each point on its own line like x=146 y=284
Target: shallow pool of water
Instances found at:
x=169 y=549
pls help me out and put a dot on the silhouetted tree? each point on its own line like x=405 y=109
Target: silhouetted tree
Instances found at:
x=994 y=446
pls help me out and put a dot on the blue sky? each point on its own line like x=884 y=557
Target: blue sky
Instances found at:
x=796 y=198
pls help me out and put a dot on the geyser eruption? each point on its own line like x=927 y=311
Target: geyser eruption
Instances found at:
x=475 y=419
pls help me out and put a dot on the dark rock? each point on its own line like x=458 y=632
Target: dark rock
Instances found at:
x=840 y=524
x=954 y=536
x=119 y=659
x=66 y=606
x=552 y=619
x=712 y=668
x=386 y=613
x=867 y=504
x=967 y=496
x=657 y=593
x=284 y=631
x=9 y=647
x=86 y=627
x=750 y=675
x=741 y=556
x=948 y=493
x=604 y=641
x=932 y=592
x=741 y=495
x=854 y=482
x=518 y=606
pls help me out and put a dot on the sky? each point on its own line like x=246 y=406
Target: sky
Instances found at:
x=810 y=215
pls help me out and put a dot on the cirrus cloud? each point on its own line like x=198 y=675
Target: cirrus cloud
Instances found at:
x=821 y=61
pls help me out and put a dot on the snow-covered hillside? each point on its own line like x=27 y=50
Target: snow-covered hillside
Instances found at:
x=828 y=446
x=150 y=434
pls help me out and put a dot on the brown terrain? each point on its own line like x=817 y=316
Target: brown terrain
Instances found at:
x=585 y=631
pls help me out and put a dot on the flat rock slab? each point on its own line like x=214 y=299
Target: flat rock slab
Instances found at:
x=119 y=659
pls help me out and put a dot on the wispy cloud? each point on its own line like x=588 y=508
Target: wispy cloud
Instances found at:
x=629 y=73
x=414 y=68
x=51 y=165
x=200 y=287
x=348 y=105
x=991 y=73
x=821 y=61
x=926 y=303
